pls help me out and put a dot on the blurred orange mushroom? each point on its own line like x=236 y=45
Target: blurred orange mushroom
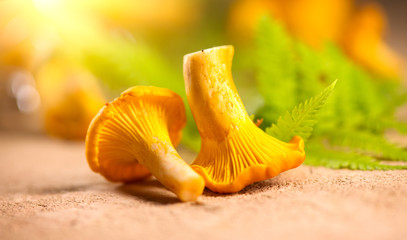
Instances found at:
x=136 y=134
x=363 y=41
x=70 y=96
x=234 y=151
x=358 y=31
x=316 y=21
x=245 y=14
x=313 y=21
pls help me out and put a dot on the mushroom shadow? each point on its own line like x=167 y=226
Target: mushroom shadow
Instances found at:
x=61 y=189
x=149 y=191
x=262 y=186
x=254 y=188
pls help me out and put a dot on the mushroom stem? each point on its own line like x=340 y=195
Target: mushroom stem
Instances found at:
x=164 y=162
x=212 y=95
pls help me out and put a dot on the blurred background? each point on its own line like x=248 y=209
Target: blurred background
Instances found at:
x=61 y=60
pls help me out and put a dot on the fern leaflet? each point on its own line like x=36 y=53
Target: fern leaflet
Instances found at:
x=319 y=155
x=369 y=144
x=302 y=118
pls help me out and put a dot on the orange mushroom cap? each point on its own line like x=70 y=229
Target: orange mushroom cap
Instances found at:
x=135 y=134
x=234 y=151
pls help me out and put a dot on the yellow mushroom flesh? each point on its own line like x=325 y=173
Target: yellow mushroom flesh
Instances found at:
x=138 y=131
x=234 y=151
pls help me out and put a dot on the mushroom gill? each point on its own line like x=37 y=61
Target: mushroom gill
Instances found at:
x=136 y=134
x=234 y=152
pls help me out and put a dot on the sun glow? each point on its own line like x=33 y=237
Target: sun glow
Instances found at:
x=47 y=6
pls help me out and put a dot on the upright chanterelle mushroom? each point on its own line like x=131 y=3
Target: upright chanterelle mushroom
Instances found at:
x=136 y=134
x=234 y=152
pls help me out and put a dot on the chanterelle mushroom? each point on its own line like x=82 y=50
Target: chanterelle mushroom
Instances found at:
x=135 y=134
x=234 y=152
x=363 y=41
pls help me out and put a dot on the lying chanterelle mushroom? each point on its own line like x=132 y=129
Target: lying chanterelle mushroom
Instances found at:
x=136 y=134
x=234 y=152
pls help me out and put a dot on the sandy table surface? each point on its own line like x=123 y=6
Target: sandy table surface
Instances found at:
x=47 y=191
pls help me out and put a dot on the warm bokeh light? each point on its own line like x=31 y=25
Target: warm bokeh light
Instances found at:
x=49 y=6
x=117 y=44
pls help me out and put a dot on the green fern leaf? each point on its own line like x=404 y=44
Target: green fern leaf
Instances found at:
x=275 y=81
x=302 y=118
x=369 y=144
x=318 y=155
